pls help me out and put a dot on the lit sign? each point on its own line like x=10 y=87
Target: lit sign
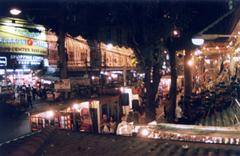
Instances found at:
x=14 y=39
x=27 y=33
x=27 y=59
x=46 y=63
x=3 y=61
x=29 y=42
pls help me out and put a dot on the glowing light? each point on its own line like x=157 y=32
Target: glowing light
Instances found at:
x=93 y=77
x=114 y=76
x=121 y=89
x=207 y=61
x=109 y=46
x=198 y=41
x=175 y=32
x=144 y=132
x=153 y=123
x=237 y=50
x=217 y=47
x=190 y=62
x=15 y=11
x=75 y=106
x=198 y=52
x=50 y=114
x=167 y=57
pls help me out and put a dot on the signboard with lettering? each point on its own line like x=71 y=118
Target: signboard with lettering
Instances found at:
x=21 y=40
x=63 y=84
x=22 y=45
x=12 y=60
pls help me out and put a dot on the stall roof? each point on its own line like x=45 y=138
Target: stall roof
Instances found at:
x=69 y=143
x=227 y=25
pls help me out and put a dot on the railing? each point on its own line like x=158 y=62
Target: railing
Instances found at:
x=190 y=133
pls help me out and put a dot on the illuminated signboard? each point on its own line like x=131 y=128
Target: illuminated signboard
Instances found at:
x=3 y=61
x=16 y=39
x=12 y=60
x=27 y=59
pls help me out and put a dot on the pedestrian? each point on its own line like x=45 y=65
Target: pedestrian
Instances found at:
x=22 y=100
x=34 y=93
x=29 y=99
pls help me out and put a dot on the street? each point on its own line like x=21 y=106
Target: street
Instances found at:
x=13 y=127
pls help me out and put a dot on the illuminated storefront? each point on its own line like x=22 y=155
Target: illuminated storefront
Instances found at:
x=117 y=57
x=23 y=48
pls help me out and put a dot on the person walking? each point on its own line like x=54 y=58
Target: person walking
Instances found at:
x=29 y=99
x=34 y=93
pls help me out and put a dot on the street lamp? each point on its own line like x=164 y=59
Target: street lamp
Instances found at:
x=15 y=11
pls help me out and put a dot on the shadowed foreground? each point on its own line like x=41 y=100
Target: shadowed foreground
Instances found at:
x=62 y=143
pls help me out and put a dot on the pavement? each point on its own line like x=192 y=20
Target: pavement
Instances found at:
x=17 y=125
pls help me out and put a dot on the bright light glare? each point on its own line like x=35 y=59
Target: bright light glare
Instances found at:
x=109 y=46
x=15 y=11
x=190 y=62
x=144 y=132
x=50 y=114
x=75 y=106
x=198 y=52
x=207 y=61
x=198 y=41
x=121 y=89
x=175 y=32
x=153 y=123
x=114 y=76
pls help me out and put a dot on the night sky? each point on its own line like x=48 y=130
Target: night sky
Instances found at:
x=94 y=19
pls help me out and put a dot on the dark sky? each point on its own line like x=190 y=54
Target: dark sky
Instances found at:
x=88 y=17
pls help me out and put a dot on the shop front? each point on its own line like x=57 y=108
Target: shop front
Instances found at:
x=23 y=49
x=85 y=116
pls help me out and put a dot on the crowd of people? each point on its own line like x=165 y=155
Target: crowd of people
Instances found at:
x=25 y=95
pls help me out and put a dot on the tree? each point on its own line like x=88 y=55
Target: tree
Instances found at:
x=149 y=34
x=146 y=27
